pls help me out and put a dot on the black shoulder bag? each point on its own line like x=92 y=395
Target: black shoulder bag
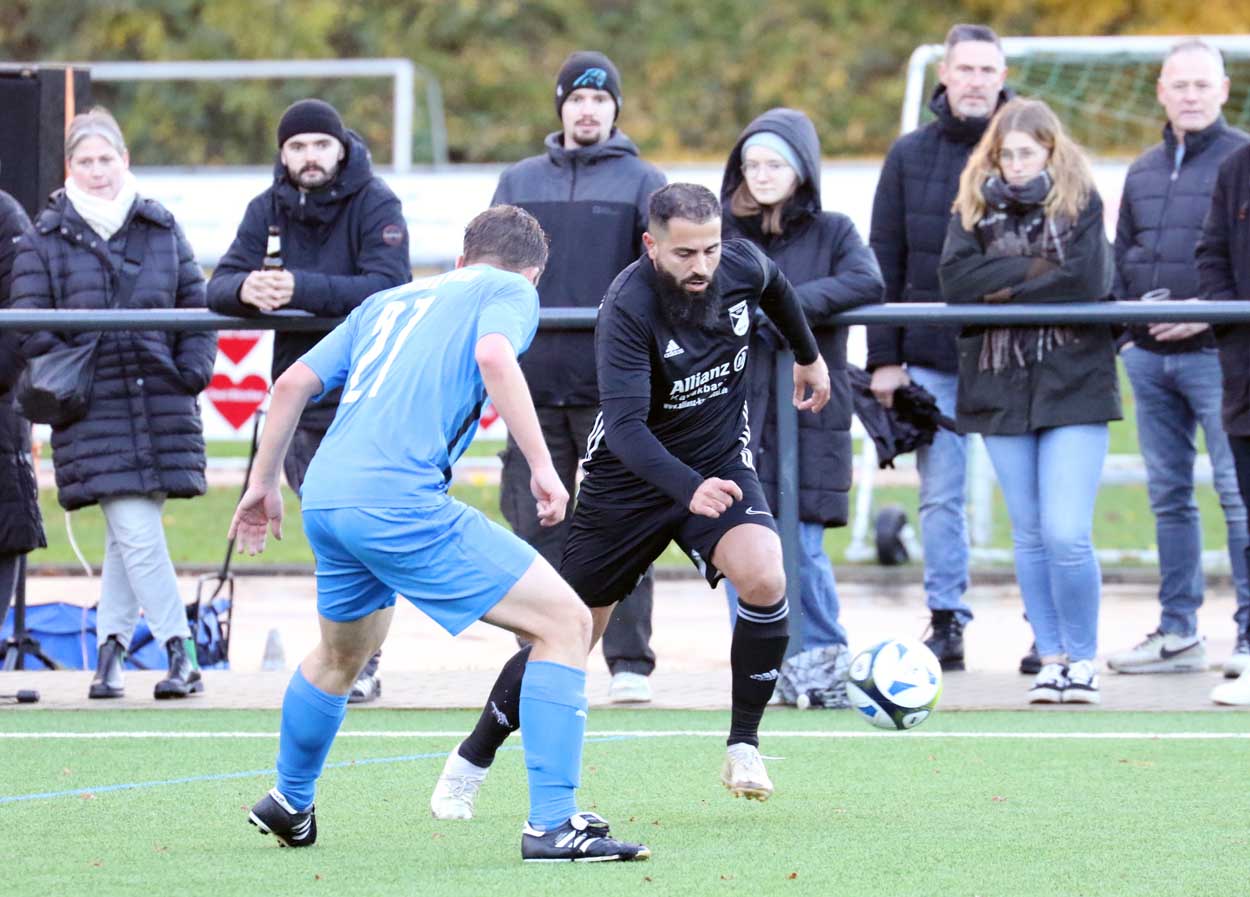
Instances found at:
x=55 y=388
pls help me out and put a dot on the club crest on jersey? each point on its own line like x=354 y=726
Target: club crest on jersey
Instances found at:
x=740 y=317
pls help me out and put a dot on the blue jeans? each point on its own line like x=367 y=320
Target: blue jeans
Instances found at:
x=943 y=468
x=818 y=592
x=1050 y=480
x=1174 y=394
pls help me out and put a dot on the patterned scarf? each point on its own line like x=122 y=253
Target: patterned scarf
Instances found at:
x=1015 y=225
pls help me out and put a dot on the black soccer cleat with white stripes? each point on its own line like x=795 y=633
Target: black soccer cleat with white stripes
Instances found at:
x=583 y=838
x=274 y=816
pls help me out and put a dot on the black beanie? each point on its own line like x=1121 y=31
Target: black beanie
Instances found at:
x=586 y=68
x=311 y=117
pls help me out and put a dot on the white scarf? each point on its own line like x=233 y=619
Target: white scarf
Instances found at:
x=106 y=216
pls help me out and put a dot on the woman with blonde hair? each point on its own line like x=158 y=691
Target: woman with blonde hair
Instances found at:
x=1028 y=228
x=100 y=244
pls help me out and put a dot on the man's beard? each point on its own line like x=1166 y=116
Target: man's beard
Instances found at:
x=682 y=308
x=310 y=177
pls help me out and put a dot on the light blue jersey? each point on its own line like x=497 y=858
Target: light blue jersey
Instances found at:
x=412 y=391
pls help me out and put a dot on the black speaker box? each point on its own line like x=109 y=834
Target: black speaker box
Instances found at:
x=33 y=113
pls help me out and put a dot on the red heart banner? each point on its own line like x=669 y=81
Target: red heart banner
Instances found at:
x=236 y=344
x=237 y=401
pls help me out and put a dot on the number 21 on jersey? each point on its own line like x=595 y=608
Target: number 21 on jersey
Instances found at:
x=382 y=330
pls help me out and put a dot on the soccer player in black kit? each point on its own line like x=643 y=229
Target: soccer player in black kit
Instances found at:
x=668 y=459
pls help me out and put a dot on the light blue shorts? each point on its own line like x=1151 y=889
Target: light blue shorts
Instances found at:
x=449 y=560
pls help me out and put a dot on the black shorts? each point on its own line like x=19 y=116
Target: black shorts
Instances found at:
x=610 y=548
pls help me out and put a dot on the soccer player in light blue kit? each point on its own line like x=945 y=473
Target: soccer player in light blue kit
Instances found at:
x=416 y=363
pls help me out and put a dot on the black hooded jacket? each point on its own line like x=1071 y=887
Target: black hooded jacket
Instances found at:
x=21 y=527
x=343 y=242
x=1161 y=214
x=910 y=212
x=592 y=204
x=832 y=271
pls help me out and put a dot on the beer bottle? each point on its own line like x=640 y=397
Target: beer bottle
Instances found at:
x=273 y=251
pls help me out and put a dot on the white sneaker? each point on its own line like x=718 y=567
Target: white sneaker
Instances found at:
x=457 y=788
x=1163 y=652
x=1239 y=662
x=1082 y=687
x=629 y=688
x=744 y=773
x=1235 y=693
x=1048 y=684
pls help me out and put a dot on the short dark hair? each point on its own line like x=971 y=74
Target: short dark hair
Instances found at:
x=690 y=202
x=960 y=33
x=507 y=236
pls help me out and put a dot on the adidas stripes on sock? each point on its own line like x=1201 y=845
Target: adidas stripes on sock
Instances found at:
x=501 y=716
x=759 y=645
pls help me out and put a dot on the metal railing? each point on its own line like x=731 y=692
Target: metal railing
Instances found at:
x=570 y=319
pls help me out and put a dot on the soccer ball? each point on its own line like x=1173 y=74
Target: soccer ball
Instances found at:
x=895 y=684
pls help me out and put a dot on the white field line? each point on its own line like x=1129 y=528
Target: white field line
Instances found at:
x=667 y=733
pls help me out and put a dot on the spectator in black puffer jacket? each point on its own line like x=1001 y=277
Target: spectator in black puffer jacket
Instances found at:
x=1174 y=368
x=21 y=527
x=771 y=195
x=909 y=215
x=141 y=440
x=343 y=238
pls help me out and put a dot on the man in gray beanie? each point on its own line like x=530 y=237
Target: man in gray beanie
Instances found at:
x=342 y=238
x=589 y=190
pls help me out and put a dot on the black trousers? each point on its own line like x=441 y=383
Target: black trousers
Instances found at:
x=8 y=582
x=627 y=640
x=1241 y=459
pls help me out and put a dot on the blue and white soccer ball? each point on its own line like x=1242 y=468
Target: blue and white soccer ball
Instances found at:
x=895 y=684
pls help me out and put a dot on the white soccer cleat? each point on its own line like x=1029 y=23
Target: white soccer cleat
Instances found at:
x=1235 y=693
x=629 y=688
x=1163 y=652
x=456 y=788
x=744 y=773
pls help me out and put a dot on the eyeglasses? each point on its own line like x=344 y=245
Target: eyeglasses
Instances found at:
x=773 y=166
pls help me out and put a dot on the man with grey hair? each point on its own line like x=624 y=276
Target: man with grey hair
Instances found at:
x=910 y=212
x=1174 y=368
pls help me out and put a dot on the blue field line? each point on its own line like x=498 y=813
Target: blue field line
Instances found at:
x=250 y=774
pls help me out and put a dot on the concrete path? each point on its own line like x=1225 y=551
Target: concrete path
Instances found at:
x=423 y=667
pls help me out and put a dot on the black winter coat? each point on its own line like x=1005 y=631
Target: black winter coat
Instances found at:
x=832 y=271
x=21 y=527
x=142 y=432
x=1161 y=214
x=592 y=204
x=910 y=212
x=1073 y=383
x=343 y=242
x=1224 y=275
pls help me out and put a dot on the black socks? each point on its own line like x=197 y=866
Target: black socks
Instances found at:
x=759 y=645
x=501 y=716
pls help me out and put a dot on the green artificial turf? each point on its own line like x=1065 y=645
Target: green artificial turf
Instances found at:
x=899 y=814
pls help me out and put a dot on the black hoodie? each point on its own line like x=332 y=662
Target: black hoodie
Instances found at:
x=592 y=203
x=344 y=242
x=918 y=184
x=832 y=271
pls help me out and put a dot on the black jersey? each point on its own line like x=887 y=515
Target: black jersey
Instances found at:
x=694 y=378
